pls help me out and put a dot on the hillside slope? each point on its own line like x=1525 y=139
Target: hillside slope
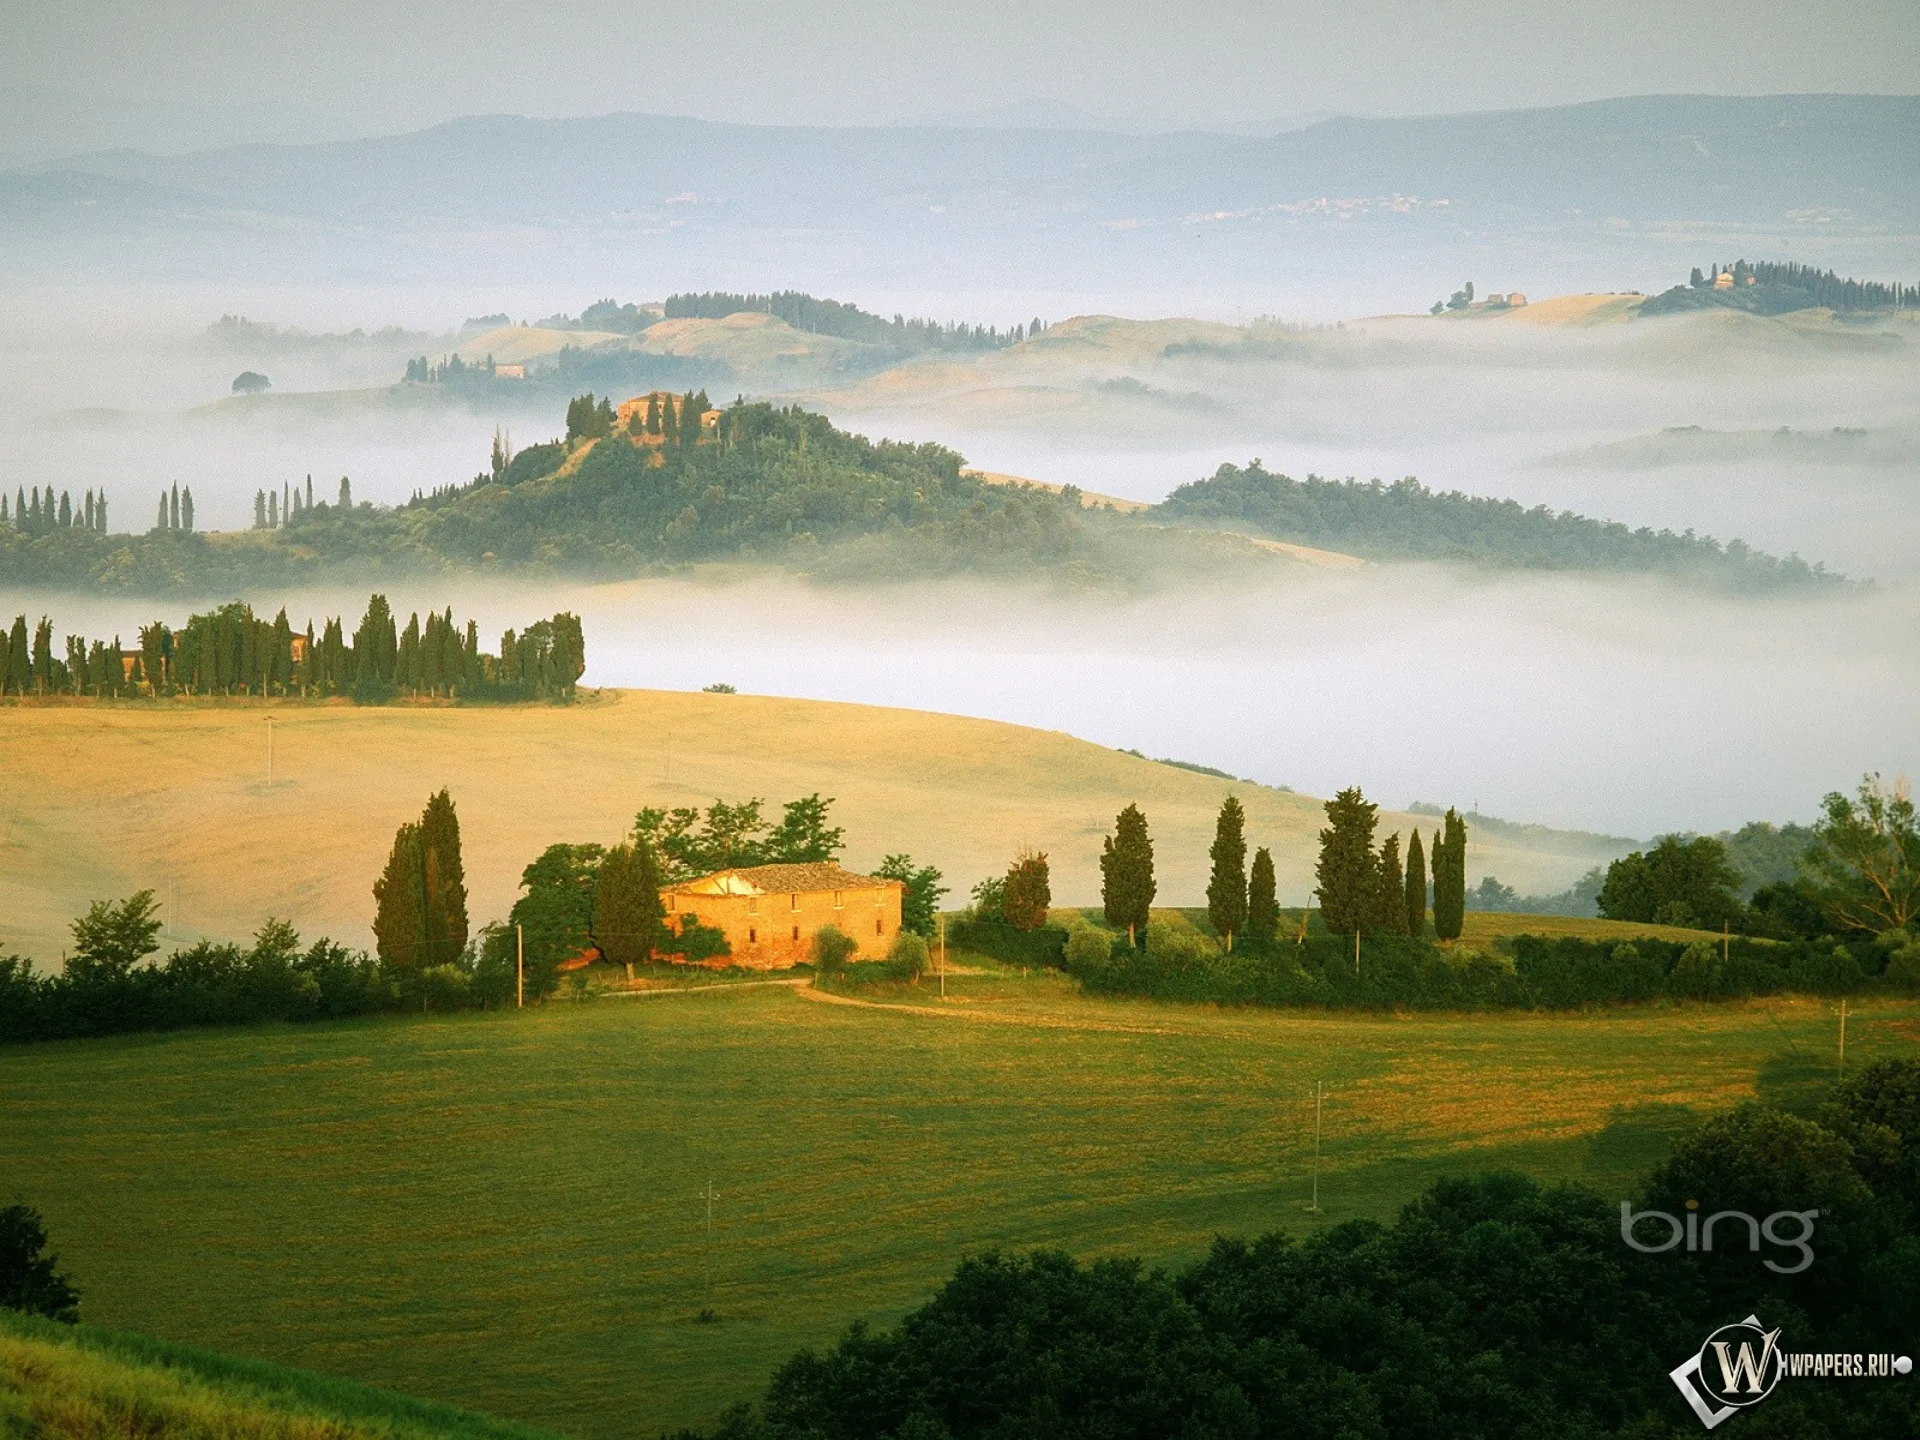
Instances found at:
x=106 y=799
x=75 y=1380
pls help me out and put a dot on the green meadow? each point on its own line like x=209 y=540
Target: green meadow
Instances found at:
x=504 y=1211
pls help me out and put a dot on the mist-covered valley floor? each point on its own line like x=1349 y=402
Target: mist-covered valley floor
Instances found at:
x=1630 y=705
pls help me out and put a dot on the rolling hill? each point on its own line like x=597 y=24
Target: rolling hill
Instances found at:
x=76 y=1380
x=106 y=799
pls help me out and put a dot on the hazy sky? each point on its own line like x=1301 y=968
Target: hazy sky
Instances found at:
x=381 y=66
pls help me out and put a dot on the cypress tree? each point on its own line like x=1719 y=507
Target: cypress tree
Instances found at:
x=18 y=660
x=43 y=656
x=1390 y=900
x=1345 y=875
x=346 y=493
x=653 y=413
x=399 y=901
x=1263 y=905
x=186 y=509
x=473 y=674
x=443 y=881
x=1126 y=872
x=407 y=669
x=100 y=512
x=173 y=517
x=65 y=521
x=1415 y=898
x=259 y=509
x=19 y=508
x=1227 y=884
x=33 y=515
x=627 y=913
x=669 y=425
x=1450 y=881
x=6 y=662
x=161 y=522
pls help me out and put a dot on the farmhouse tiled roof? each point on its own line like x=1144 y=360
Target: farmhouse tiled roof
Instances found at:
x=778 y=879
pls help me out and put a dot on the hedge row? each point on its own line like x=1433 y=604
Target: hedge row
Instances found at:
x=1534 y=972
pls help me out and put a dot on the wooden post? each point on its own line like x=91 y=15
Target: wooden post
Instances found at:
x=1356 y=950
x=943 y=957
x=519 y=967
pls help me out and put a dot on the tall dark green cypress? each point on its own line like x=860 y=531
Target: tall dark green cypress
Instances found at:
x=1346 y=874
x=1227 y=884
x=1416 y=886
x=19 y=660
x=443 y=881
x=1263 y=904
x=1390 y=900
x=1126 y=872
x=399 y=904
x=1450 y=880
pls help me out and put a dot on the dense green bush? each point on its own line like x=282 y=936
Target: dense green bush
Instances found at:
x=998 y=940
x=1531 y=971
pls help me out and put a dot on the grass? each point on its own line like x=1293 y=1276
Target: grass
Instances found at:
x=503 y=1211
x=89 y=1384
x=104 y=799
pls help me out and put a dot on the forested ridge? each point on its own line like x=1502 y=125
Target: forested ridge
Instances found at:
x=638 y=489
x=1407 y=521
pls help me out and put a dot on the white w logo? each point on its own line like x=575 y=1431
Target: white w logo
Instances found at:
x=1742 y=1370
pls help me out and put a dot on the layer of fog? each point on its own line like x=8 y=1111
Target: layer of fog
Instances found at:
x=108 y=386
x=1618 y=706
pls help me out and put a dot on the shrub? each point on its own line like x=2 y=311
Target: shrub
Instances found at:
x=29 y=1279
x=1087 y=946
x=1000 y=941
x=907 y=958
x=1903 y=969
x=1028 y=891
x=832 y=948
x=444 y=987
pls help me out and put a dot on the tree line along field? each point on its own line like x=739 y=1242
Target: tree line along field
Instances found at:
x=503 y=1211
x=107 y=798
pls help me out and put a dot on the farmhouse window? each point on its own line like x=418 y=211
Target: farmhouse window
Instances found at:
x=753 y=905
x=796 y=932
x=879 y=927
x=753 y=935
x=796 y=900
x=672 y=901
x=836 y=901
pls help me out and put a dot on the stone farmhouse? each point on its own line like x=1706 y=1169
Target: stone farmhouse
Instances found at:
x=770 y=913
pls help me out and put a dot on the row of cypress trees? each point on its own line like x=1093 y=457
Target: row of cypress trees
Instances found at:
x=233 y=651
x=35 y=513
x=1360 y=887
x=1363 y=888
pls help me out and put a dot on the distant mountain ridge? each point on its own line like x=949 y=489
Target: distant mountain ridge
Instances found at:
x=1638 y=158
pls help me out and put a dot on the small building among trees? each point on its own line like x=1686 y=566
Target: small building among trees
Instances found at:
x=770 y=913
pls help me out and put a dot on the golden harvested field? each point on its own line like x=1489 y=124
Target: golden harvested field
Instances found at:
x=106 y=799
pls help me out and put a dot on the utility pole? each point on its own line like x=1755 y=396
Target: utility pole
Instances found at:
x=709 y=1195
x=1356 y=950
x=1318 y=1092
x=519 y=967
x=943 y=957
x=1843 y=1037
x=269 y=752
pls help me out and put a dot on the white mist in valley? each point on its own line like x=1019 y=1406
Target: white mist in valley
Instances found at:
x=1622 y=706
